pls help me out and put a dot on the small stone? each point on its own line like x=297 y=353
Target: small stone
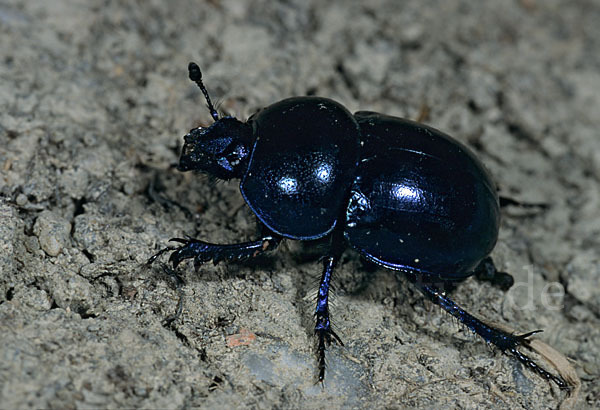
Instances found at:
x=34 y=298
x=412 y=34
x=21 y=200
x=52 y=231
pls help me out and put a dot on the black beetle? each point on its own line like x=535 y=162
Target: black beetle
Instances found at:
x=404 y=195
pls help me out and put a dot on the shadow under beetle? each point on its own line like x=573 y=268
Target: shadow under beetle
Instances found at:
x=404 y=195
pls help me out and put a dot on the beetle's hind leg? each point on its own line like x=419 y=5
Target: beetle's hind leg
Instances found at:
x=486 y=271
x=506 y=342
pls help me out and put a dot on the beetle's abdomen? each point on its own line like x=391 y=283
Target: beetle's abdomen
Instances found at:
x=302 y=165
x=420 y=201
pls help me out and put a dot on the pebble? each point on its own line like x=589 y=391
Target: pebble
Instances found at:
x=21 y=200
x=53 y=232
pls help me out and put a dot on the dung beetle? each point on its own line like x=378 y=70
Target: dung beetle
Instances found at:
x=406 y=196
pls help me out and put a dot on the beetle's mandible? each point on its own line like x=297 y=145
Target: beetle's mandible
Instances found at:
x=405 y=196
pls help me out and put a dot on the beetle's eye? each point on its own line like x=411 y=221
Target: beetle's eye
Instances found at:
x=224 y=163
x=235 y=152
x=233 y=159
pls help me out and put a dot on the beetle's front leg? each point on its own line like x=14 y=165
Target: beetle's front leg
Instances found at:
x=204 y=251
x=323 y=327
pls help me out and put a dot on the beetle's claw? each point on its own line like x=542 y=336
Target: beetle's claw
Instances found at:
x=527 y=335
x=193 y=248
x=175 y=258
x=154 y=257
x=524 y=338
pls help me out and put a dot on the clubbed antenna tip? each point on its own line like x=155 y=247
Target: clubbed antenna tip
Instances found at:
x=196 y=76
x=195 y=73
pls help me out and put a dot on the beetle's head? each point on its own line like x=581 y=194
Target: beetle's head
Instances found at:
x=221 y=150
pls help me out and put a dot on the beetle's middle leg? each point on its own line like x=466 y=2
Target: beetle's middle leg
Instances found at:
x=204 y=251
x=323 y=327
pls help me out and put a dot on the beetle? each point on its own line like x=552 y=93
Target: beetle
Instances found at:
x=404 y=195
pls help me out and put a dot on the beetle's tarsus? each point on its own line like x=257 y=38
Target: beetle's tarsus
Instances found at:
x=203 y=252
x=529 y=363
x=323 y=326
x=325 y=338
x=324 y=341
x=523 y=340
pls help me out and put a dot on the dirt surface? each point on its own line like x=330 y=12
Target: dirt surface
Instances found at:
x=94 y=99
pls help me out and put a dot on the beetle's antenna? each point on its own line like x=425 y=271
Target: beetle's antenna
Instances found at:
x=196 y=76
